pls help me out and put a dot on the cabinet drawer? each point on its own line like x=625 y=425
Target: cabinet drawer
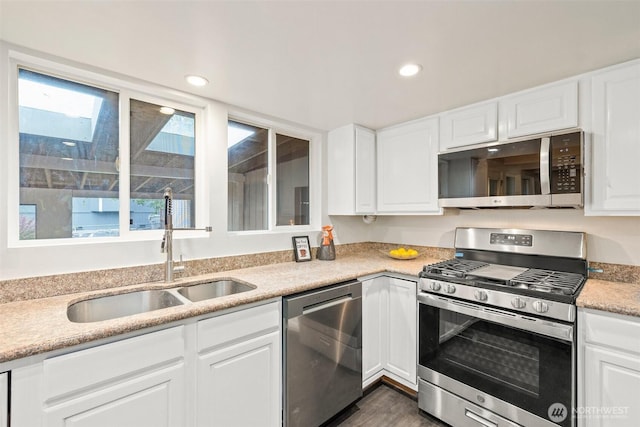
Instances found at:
x=111 y=362
x=238 y=325
x=617 y=331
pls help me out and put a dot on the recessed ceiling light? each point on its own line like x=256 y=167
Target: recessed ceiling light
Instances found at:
x=196 y=80
x=167 y=110
x=69 y=143
x=409 y=70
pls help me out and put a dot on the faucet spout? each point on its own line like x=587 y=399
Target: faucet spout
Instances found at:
x=167 y=240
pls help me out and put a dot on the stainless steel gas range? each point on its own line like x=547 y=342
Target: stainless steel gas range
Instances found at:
x=497 y=328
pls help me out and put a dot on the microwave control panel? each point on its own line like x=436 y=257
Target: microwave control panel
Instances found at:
x=566 y=165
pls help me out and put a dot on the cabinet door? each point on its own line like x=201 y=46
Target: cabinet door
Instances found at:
x=468 y=126
x=238 y=368
x=340 y=171
x=4 y=399
x=134 y=382
x=612 y=385
x=238 y=385
x=365 y=171
x=616 y=142
x=374 y=327
x=351 y=171
x=542 y=110
x=402 y=337
x=408 y=168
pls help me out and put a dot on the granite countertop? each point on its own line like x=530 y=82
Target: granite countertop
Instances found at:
x=40 y=325
x=614 y=297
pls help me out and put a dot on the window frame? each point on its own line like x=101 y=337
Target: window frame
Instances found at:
x=315 y=189
x=126 y=90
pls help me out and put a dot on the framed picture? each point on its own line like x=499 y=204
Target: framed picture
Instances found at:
x=301 y=248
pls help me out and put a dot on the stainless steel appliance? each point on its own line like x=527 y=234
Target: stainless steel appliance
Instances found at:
x=497 y=328
x=541 y=171
x=322 y=353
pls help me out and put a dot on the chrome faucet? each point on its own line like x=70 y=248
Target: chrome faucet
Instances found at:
x=167 y=241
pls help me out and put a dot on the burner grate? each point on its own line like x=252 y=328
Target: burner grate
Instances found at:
x=549 y=281
x=454 y=267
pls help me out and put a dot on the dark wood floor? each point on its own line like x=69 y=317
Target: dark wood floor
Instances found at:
x=384 y=406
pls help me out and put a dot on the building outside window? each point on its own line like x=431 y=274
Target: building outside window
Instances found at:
x=162 y=154
x=253 y=152
x=70 y=162
x=69 y=143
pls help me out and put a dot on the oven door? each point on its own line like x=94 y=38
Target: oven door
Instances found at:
x=511 y=364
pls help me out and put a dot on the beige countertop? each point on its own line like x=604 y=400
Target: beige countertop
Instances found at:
x=40 y=325
x=614 y=297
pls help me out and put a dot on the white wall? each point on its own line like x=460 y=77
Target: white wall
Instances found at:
x=614 y=240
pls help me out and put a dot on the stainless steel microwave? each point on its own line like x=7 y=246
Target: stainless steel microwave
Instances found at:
x=541 y=171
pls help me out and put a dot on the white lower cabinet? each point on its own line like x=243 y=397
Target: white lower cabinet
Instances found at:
x=238 y=369
x=609 y=370
x=221 y=371
x=4 y=399
x=134 y=382
x=389 y=330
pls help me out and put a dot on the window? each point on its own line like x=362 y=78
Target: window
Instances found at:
x=68 y=151
x=292 y=177
x=162 y=147
x=250 y=161
x=71 y=171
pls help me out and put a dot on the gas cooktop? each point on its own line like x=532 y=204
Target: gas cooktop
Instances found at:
x=496 y=276
x=538 y=265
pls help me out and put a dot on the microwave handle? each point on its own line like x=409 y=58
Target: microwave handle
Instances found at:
x=545 y=161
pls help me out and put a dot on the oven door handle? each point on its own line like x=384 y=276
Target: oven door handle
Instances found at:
x=507 y=318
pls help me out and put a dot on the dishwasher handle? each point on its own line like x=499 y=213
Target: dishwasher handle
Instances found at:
x=326 y=304
x=298 y=305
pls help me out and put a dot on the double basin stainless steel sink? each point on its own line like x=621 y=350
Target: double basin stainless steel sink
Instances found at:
x=115 y=306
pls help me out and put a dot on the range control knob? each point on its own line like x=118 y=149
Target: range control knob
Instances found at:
x=518 y=302
x=449 y=288
x=540 y=307
x=480 y=295
x=434 y=286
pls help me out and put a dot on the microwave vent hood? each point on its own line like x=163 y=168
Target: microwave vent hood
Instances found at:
x=542 y=171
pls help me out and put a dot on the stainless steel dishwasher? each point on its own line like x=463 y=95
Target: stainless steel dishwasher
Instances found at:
x=322 y=353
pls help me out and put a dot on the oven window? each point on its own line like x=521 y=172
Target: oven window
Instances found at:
x=523 y=368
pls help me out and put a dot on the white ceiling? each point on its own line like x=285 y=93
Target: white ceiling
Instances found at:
x=324 y=64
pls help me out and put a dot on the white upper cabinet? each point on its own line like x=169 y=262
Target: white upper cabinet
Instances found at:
x=408 y=168
x=541 y=109
x=469 y=125
x=615 y=149
x=351 y=163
